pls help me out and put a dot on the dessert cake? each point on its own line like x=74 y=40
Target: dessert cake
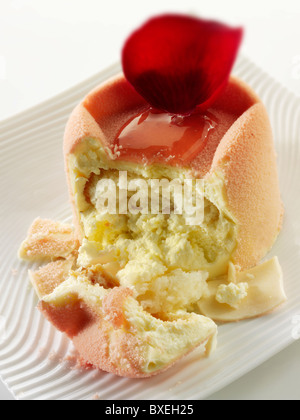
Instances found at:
x=139 y=284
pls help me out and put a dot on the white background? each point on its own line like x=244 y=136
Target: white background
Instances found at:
x=47 y=46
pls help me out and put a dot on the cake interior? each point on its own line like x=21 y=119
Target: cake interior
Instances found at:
x=163 y=258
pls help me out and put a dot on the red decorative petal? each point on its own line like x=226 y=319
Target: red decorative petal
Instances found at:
x=178 y=63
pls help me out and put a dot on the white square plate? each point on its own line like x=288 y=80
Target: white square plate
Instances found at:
x=33 y=355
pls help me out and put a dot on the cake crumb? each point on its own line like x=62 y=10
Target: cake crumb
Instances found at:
x=232 y=294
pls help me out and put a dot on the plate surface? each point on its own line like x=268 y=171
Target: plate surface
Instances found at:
x=35 y=360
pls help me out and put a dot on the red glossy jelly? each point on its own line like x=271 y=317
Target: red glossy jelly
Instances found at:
x=155 y=136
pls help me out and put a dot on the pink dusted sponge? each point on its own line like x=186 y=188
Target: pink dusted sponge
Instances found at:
x=112 y=332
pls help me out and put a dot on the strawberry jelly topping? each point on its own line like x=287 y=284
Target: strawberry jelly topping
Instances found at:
x=156 y=137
